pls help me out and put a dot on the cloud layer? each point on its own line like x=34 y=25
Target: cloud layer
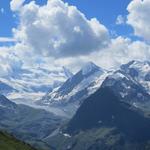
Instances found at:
x=58 y=34
x=59 y=30
x=7 y=39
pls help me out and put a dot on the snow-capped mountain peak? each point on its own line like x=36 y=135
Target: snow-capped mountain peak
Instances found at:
x=136 y=68
x=78 y=87
x=130 y=83
x=89 y=67
x=67 y=72
x=139 y=71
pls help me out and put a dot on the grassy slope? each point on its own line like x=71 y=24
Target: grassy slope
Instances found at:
x=8 y=142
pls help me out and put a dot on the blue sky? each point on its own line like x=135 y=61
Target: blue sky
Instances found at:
x=105 y=11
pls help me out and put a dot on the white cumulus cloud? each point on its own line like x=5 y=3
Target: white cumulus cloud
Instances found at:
x=120 y=20
x=120 y=50
x=138 y=17
x=15 y=5
x=59 y=30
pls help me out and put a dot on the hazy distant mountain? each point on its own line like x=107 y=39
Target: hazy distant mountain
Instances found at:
x=5 y=103
x=5 y=89
x=34 y=83
x=27 y=123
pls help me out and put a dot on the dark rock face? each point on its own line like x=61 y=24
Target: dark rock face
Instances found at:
x=126 y=89
x=105 y=109
x=147 y=77
x=6 y=103
x=139 y=71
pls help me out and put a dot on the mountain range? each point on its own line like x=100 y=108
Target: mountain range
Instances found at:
x=27 y=123
x=70 y=95
x=93 y=109
x=112 y=118
x=29 y=85
x=129 y=82
x=105 y=122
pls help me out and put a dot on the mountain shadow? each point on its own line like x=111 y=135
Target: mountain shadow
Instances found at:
x=104 y=108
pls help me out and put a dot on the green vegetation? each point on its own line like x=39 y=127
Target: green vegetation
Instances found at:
x=8 y=142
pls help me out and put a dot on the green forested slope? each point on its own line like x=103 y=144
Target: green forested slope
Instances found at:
x=8 y=142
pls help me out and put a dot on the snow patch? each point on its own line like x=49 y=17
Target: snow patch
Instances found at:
x=67 y=135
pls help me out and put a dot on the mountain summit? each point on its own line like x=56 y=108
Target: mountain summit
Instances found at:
x=89 y=67
x=139 y=71
x=77 y=88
